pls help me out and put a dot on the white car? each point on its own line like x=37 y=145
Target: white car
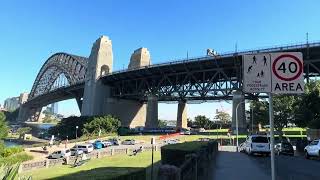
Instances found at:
x=86 y=148
x=60 y=154
x=129 y=142
x=75 y=152
x=171 y=141
x=257 y=144
x=313 y=149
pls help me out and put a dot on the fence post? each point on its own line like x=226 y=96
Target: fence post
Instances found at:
x=98 y=154
x=112 y=152
x=127 y=150
x=47 y=162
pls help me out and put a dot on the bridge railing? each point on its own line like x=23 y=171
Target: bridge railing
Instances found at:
x=226 y=54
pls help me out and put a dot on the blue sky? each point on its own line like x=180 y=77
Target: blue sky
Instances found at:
x=31 y=31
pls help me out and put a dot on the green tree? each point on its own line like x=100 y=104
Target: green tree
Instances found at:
x=202 y=122
x=105 y=124
x=307 y=106
x=162 y=123
x=22 y=131
x=223 y=117
x=3 y=126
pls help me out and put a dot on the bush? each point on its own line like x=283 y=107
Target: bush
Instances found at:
x=16 y=158
x=174 y=154
x=10 y=151
x=104 y=124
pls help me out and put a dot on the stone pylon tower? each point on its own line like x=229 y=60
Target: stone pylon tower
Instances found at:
x=139 y=58
x=100 y=63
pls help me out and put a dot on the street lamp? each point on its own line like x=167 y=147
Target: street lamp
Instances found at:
x=77 y=132
x=237 y=125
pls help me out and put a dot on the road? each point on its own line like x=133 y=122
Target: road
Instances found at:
x=290 y=168
x=231 y=165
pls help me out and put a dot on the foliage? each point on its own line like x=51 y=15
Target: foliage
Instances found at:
x=202 y=122
x=105 y=124
x=3 y=126
x=67 y=127
x=223 y=117
x=260 y=112
x=49 y=119
x=307 y=107
x=5 y=152
x=12 y=173
x=24 y=130
x=162 y=123
x=16 y=158
x=11 y=116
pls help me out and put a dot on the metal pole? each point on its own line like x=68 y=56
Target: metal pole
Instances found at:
x=237 y=125
x=273 y=176
x=252 y=121
x=152 y=163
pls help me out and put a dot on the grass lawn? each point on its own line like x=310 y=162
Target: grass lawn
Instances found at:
x=104 y=168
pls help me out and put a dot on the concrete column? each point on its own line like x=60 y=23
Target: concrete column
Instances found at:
x=152 y=112
x=238 y=97
x=182 y=115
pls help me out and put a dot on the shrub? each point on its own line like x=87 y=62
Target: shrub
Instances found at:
x=104 y=124
x=10 y=151
x=16 y=158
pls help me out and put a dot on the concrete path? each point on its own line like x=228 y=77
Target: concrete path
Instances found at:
x=237 y=166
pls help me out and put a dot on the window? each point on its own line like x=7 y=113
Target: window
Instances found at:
x=260 y=139
x=314 y=142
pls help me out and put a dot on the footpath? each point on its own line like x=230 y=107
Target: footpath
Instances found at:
x=230 y=165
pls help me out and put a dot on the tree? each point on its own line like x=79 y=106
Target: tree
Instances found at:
x=24 y=130
x=162 y=123
x=105 y=124
x=3 y=126
x=223 y=117
x=202 y=122
x=307 y=107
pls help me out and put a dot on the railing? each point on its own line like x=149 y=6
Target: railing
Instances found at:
x=225 y=54
x=47 y=163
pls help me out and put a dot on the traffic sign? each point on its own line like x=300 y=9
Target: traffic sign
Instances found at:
x=257 y=73
x=280 y=73
x=287 y=73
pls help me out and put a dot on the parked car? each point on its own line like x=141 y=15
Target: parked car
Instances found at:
x=98 y=145
x=75 y=152
x=313 y=149
x=284 y=148
x=257 y=144
x=60 y=154
x=106 y=143
x=114 y=141
x=242 y=147
x=86 y=148
x=170 y=141
x=129 y=142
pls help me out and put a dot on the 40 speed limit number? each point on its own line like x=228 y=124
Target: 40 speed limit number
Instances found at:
x=287 y=73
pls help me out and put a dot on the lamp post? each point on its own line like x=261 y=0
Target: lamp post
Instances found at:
x=237 y=125
x=77 y=132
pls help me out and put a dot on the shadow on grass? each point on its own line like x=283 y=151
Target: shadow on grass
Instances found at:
x=134 y=173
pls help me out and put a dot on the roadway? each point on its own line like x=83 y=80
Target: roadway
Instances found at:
x=233 y=166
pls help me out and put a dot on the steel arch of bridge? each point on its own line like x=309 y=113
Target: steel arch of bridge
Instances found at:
x=72 y=66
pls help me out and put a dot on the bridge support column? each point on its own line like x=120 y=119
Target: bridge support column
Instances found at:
x=29 y=114
x=238 y=101
x=100 y=63
x=182 y=115
x=152 y=112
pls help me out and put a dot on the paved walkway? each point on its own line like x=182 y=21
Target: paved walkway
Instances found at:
x=237 y=166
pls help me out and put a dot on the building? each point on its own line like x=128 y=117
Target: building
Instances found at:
x=13 y=103
x=54 y=108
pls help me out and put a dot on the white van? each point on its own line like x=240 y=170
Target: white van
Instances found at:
x=60 y=154
x=257 y=144
x=86 y=148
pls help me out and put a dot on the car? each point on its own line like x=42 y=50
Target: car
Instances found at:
x=284 y=148
x=75 y=152
x=86 y=148
x=114 y=141
x=242 y=147
x=170 y=141
x=313 y=149
x=60 y=154
x=257 y=144
x=129 y=142
x=98 y=145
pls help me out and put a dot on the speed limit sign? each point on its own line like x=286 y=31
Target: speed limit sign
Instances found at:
x=287 y=73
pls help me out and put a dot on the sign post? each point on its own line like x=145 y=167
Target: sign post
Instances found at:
x=279 y=73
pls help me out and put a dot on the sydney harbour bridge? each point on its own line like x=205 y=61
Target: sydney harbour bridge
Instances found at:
x=133 y=94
